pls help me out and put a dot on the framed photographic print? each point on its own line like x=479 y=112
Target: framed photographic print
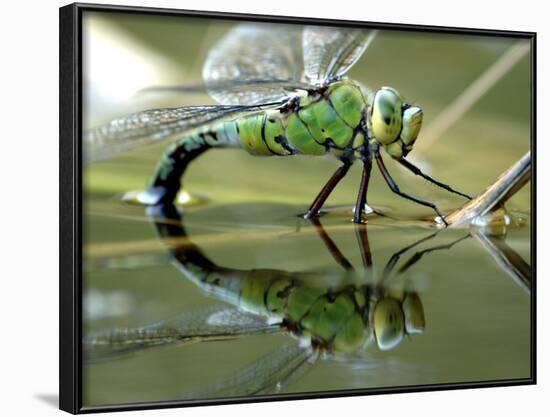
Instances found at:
x=259 y=208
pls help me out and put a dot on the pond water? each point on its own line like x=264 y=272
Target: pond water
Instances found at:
x=477 y=317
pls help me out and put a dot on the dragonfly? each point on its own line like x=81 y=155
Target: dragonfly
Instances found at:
x=329 y=316
x=282 y=91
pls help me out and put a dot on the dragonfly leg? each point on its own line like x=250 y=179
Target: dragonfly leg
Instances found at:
x=394 y=187
x=363 y=189
x=338 y=256
x=363 y=240
x=416 y=257
x=326 y=190
x=395 y=257
x=415 y=170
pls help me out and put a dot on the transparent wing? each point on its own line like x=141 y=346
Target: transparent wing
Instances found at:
x=330 y=52
x=151 y=126
x=212 y=324
x=229 y=87
x=267 y=56
x=267 y=375
x=254 y=63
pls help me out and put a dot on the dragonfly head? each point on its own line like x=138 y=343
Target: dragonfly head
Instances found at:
x=395 y=124
x=393 y=319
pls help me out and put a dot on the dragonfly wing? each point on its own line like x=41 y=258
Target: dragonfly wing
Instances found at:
x=267 y=375
x=228 y=86
x=151 y=126
x=330 y=52
x=208 y=325
x=266 y=59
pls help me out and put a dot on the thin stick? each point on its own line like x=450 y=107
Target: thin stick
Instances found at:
x=472 y=94
x=494 y=196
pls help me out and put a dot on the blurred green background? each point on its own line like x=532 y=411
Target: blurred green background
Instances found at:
x=478 y=322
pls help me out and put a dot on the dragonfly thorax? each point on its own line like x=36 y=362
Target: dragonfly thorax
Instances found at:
x=394 y=123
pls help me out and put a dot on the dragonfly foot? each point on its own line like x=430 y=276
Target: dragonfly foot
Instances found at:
x=309 y=215
x=361 y=218
x=440 y=221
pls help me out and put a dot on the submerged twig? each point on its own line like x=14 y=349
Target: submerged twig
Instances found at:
x=508 y=259
x=494 y=196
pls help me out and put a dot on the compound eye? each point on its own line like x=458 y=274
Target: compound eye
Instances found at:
x=414 y=314
x=412 y=122
x=386 y=115
x=389 y=323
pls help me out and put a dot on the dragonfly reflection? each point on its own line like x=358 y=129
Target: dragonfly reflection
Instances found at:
x=344 y=317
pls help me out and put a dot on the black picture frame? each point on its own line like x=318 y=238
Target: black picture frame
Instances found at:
x=70 y=206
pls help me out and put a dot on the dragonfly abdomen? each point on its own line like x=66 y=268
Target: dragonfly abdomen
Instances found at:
x=165 y=184
x=263 y=134
x=222 y=134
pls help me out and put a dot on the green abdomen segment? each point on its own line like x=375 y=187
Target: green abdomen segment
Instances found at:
x=313 y=128
x=165 y=184
x=334 y=320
